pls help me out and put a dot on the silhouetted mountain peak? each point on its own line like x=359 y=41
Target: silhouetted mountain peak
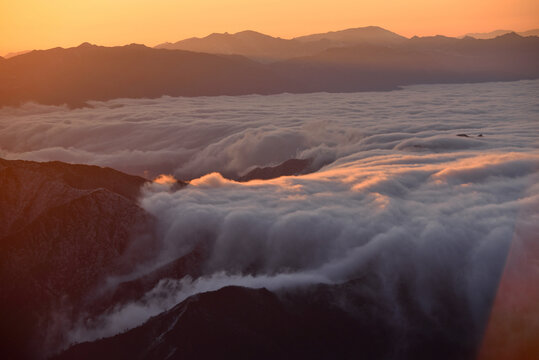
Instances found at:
x=212 y=35
x=86 y=45
x=136 y=46
x=509 y=36
x=250 y=34
x=357 y=35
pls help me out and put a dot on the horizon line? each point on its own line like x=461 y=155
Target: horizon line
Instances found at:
x=20 y=52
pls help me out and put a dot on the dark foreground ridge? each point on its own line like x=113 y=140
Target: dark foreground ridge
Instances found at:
x=308 y=323
x=340 y=63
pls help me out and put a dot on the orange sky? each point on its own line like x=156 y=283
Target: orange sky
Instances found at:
x=41 y=24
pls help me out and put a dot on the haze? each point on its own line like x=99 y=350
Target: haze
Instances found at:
x=33 y=24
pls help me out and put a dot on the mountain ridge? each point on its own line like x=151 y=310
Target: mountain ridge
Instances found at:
x=268 y=48
x=90 y=72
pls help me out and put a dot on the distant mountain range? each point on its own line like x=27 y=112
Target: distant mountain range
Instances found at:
x=266 y=48
x=251 y=63
x=496 y=33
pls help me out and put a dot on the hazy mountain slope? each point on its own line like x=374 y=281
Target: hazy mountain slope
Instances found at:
x=488 y=35
x=91 y=72
x=135 y=289
x=64 y=228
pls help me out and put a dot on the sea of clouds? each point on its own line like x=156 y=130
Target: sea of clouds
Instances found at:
x=191 y=137
x=400 y=195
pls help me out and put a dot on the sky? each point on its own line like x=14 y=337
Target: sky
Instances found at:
x=40 y=24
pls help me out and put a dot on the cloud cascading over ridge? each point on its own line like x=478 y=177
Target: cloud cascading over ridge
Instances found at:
x=419 y=219
x=401 y=197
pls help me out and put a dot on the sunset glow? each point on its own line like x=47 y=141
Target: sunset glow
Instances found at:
x=33 y=24
x=239 y=179
x=165 y=179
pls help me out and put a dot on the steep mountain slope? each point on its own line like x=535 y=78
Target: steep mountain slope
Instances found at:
x=64 y=228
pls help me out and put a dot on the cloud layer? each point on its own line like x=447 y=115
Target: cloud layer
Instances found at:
x=404 y=199
x=190 y=137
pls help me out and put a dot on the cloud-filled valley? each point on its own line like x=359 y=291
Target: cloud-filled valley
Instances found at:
x=426 y=186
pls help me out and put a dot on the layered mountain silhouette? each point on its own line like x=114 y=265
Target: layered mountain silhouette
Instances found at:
x=267 y=48
x=345 y=61
x=248 y=43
